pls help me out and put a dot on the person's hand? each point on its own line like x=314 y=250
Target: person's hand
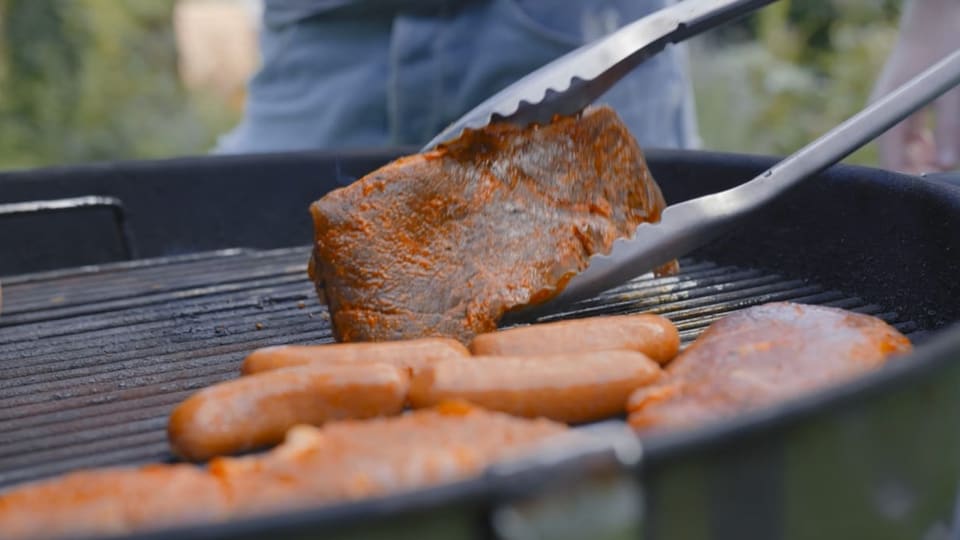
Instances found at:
x=929 y=31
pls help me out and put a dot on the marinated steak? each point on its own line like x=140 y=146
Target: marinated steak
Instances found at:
x=444 y=243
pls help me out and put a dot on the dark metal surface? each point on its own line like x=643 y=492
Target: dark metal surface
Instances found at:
x=176 y=206
x=32 y=232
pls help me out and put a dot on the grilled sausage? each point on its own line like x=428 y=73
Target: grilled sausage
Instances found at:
x=358 y=459
x=112 y=502
x=763 y=355
x=411 y=355
x=255 y=411
x=341 y=461
x=649 y=334
x=577 y=387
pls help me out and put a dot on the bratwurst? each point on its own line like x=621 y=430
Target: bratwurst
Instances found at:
x=411 y=355
x=652 y=335
x=256 y=411
x=577 y=387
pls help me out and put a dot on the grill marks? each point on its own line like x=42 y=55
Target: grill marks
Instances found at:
x=92 y=361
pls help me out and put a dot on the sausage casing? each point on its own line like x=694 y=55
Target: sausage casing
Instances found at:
x=411 y=355
x=652 y=335
x=578 y=387
x=256 y=411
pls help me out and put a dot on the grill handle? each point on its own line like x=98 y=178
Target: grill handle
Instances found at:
x=74 y=204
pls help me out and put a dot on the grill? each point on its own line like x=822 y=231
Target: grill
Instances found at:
x=95 y=359
x=92 y=358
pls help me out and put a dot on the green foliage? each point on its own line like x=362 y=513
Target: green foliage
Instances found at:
x=800 y=69
x=86 y=80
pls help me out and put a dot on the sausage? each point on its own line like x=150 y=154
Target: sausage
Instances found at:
x=411 y=355
x=256 y=411
x=340 y=461
x=652 y=335
x=357 y=459
x=578 y=387
x=112 y=502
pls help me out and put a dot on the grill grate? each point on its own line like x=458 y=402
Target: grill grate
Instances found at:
x=93 y=359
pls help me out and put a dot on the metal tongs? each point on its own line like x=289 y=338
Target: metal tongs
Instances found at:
x=573 y=81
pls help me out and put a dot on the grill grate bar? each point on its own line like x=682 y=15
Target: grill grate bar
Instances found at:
x=167 y=339
x=89 y=379
x=47 y=296
x=80 y=433
x=135 y=454
x=108 y=414
x=168 y=301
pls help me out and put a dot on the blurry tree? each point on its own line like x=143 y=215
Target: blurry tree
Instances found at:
x=88 y=80
x=791 y=72
x=85 y=80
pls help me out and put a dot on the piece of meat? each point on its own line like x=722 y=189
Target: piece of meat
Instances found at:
x=342 y=461
x=411 y=355
x=763 y=355
x=652 y=335
x=112 y=502
x=577 y=387
x=355 y=460
x=444 y=243
x=257 y=410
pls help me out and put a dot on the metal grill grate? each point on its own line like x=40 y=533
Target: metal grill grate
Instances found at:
x=92 y=360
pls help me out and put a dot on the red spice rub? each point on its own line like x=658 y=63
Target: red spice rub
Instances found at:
x=444 y=243
x=760 y=356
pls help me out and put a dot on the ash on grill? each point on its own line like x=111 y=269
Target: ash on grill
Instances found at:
x=93 y=359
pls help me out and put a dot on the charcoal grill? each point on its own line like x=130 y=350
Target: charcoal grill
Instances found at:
x=134 y=284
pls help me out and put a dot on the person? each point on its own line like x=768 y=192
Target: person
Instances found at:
x=341 y=74
x=929 y=31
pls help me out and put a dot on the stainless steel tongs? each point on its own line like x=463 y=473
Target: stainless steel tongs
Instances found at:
x=570 y=83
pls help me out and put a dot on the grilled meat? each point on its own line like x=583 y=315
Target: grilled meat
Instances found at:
x=575 y=387
x=112 y=502
x=760 y=356
x=339 y=462
x=360 y=459
x=444 y=243
x=257 y=410
x=410 y=355
x=652 y=335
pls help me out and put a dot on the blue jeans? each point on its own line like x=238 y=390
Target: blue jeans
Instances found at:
x=343 y=80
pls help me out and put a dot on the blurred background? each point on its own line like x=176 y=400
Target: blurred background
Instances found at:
x=107 y=80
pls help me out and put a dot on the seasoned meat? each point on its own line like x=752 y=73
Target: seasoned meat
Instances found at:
x=575 y=387
x=359 y=459
x=410 y=355
x=760 y=356
x=257 y=410
x=444 y=243
x=115 y=501
x=652 y=335
x=340 y=462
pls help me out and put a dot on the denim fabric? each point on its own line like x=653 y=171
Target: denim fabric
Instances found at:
x=343 y=79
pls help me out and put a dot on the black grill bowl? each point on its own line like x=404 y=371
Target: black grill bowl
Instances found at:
x=877 y=458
